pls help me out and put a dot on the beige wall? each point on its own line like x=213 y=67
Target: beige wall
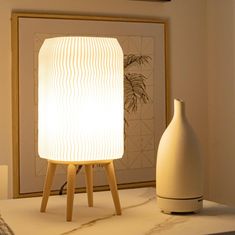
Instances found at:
x=221 y=100
x=187 y=46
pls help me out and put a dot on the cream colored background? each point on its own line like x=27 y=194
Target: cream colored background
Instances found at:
x=221 y=99
x=201 y=67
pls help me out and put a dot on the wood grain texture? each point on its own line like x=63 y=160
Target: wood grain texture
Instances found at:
x=113 y=186
x=89 y=184
x=71 y=174
x=51 y=167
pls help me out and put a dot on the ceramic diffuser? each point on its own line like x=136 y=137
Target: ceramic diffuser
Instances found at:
x=179 y=168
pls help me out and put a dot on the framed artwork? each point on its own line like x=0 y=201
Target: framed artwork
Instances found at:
x=146 y=90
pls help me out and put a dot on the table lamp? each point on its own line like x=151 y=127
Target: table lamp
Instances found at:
x=80 y=110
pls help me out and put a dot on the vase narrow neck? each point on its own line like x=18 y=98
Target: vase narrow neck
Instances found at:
x=179 y=109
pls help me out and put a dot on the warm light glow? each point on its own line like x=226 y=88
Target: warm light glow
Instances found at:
x=80 y=96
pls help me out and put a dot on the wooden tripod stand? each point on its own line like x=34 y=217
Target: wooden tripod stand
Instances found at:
x=71 y=174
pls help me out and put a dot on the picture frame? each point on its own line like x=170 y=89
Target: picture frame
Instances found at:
x=144 y=42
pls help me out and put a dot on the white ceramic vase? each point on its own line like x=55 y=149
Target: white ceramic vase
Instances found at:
x=179 y=167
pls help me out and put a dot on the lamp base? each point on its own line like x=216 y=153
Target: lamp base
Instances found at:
x=179 y=205
x=71 y=174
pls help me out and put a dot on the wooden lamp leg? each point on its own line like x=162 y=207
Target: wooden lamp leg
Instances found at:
x=71 y=174
x=113 y=186
x=89 y=184
x=51 y=167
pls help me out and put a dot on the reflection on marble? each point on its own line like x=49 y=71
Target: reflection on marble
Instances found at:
x=140 y=216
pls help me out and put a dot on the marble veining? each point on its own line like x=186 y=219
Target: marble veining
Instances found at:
x=169 y=223
x=94 y=221
x=141 y=216
x=149 y=193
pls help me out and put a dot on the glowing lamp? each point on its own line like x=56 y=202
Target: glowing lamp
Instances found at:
x=80 y=109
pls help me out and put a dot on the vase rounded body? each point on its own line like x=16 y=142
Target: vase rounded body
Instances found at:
x=179 y=166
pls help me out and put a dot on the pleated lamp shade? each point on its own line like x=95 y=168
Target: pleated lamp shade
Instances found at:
x=80 y=99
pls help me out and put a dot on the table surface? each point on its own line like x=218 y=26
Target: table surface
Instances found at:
x=140 y=216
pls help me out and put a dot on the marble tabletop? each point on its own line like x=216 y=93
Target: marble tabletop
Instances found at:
x=140 y=216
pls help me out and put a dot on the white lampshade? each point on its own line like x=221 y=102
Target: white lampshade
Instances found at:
x=80 y=99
